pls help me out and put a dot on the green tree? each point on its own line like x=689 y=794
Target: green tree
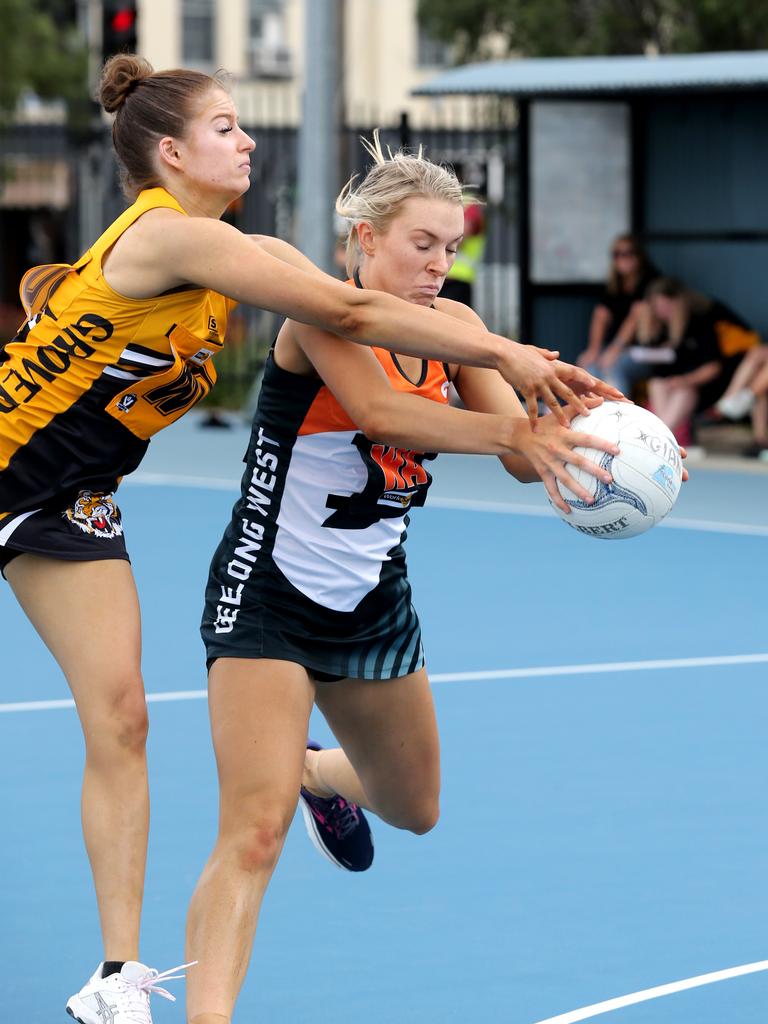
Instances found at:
x=548 y=28
x=41 y=50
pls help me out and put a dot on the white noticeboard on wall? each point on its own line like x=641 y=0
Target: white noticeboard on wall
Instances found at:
x=580 y=188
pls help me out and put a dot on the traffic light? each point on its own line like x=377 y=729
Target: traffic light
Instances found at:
x=118 y=27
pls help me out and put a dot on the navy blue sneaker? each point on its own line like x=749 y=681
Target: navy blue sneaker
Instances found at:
x=337 y=828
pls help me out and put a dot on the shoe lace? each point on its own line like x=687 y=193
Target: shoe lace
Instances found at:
x=344 y=817
x=137 y=992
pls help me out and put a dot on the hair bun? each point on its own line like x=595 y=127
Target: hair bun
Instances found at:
x=119 y=77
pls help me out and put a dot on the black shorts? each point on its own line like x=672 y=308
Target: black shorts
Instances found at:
x=85 y=528
x=269 y=618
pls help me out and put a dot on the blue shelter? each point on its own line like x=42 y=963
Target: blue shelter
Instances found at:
x=672 y=148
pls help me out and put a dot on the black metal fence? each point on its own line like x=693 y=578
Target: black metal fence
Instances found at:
x=59 y=189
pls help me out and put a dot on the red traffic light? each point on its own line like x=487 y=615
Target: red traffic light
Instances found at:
x=124 y=19
x=118 y=27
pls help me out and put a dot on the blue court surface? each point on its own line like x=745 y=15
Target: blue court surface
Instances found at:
x=603 y=710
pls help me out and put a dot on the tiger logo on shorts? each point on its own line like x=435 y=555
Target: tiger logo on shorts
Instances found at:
x=96 y=514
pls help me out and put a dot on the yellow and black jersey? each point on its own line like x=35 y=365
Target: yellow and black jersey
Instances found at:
x=91 y=374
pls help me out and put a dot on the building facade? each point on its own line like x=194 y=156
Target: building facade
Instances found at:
x=261 y=43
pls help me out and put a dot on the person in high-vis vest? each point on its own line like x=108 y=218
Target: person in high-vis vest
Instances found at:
x=115 y=347
x=459 y=284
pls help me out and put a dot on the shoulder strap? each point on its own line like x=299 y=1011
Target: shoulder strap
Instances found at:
x=149 y=199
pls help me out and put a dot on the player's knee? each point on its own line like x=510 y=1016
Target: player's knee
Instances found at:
x=131 y=718
x=426 y=820
x=420 y=817
x=122 y=723
x=257 y=844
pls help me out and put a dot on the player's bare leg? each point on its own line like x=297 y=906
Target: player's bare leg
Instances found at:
x=259 y=715
x=101 y=662
x=390 y=757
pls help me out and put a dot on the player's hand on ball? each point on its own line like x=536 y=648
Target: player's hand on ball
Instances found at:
x=551 y=450
x=646 y=473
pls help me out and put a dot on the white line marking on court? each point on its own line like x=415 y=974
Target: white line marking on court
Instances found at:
x=55 y=705
x=536 y=672
x=182 y=480
x=675 y=523
x=600 y=667
x=460 y=504
x=654 y=993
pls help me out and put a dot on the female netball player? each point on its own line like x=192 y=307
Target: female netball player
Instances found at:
x=308 y=599
x=114 y=348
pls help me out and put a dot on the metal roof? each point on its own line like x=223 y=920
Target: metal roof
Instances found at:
x=528 y=76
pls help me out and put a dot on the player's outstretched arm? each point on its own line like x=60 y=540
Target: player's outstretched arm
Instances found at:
x=523 y=371
x=361 y=387
x=215 y=255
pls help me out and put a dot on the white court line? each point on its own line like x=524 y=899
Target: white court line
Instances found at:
x=55 y=705
x=599 y=667
x=537 y=672
x=596 y=1009
x=676 y=523
x=461 y=504
x=211 y=483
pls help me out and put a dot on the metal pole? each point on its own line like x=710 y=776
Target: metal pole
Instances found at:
x=524 y=260
x=89 y=16
x=319 y=134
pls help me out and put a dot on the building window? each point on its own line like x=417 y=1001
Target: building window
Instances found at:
x=431 y=52
x=198 y=31
x=260 y=14
x=268 y=56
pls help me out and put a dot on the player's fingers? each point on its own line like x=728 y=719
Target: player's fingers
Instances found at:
x=570 y=397
x=592 y=401
x=577 y=376
x=548 y=353
x=569 y=412
x=549 y=398
x=576 y=489
x=554 y=494
x=532 y=405
x=589 y=466
x=610 y=392
x=579 y=440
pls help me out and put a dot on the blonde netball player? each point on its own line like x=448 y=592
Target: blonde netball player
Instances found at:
x=308 y=598
x=116 y=347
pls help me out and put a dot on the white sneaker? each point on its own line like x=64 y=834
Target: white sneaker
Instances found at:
x=736 y=407
x=120 y=998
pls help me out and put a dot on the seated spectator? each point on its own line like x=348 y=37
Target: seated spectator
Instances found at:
x=702 y=342
x=747 y=394
x=615 y=319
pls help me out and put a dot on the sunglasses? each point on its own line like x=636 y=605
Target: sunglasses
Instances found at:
x=619 y=254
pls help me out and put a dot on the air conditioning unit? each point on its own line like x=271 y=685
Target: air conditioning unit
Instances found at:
x=270 y=60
